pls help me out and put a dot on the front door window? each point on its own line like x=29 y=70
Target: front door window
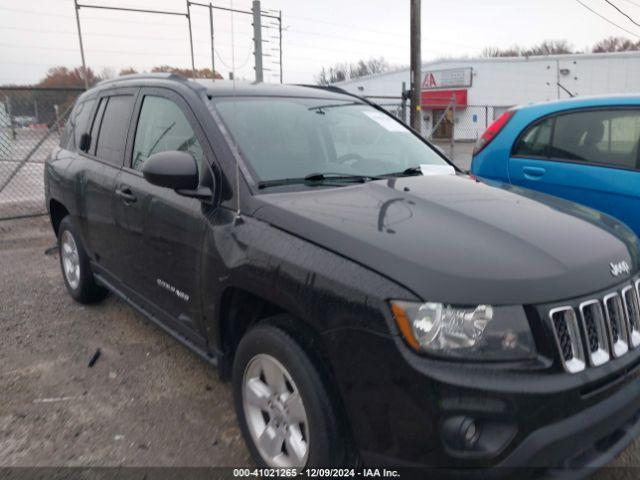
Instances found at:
x=163 y=127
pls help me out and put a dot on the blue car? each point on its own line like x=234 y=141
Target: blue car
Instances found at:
x=583 y=149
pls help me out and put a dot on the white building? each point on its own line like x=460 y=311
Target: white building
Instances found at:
x=476 y=91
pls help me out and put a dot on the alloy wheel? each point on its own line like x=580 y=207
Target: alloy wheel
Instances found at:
x=275 y=413
x=70 y=259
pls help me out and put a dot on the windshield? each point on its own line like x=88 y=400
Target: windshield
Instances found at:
x=294 y=137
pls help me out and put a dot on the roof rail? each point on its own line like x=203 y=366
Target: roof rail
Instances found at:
x=145 y=76
x=333 y=88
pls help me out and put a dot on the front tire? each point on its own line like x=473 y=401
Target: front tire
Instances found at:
x=76 y=269
x=285 y=414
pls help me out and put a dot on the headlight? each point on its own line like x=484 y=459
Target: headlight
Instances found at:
x=483 y=332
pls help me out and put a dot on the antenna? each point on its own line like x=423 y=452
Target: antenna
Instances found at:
x=238 y=218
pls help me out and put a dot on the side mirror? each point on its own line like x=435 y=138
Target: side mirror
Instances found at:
x=85 y=142
x=173 y=169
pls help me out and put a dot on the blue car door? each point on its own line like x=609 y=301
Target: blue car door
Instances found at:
x=587 y=156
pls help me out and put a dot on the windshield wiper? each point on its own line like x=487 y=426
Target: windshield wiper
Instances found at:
x=408 y=172
x=328 y=178
x=319 y=177
x=334 y=105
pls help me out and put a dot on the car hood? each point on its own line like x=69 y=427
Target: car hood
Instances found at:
x=455 y=239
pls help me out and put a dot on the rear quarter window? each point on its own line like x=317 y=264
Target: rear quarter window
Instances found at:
x=536 y=140
x=77 y=124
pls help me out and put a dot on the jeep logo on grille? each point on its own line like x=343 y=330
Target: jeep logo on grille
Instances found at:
x=618 y=268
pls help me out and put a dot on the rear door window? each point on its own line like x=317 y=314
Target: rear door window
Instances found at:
x=113 y=129
x=607 y=137
x=95 y=126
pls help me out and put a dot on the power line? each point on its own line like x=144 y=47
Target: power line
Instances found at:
x=224 y=64
x=92 y=34
x=606 y=19
x=115 y=52
x=99 y=19
x=340 y=37
x=379 y=32
x=105 y=35
x=623 y=13
x=199 y=43
x=34 y=12
x=632 y=3
x=353 y=39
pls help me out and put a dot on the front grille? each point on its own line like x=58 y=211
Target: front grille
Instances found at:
x=589 y=313
x=593 y=322
x=567 y=336
x=617 y=322
x=564 y=337
x=630 y=297
x=598 y=329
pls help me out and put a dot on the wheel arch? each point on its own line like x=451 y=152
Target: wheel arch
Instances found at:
x=57 y=211
x=241 y=309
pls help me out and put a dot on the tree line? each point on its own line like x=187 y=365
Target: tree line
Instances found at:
x=559 y=47
x=347 y=71
x=65 y=84
x=61 y=76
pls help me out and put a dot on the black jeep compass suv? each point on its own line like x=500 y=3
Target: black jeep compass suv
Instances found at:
x=369 y=302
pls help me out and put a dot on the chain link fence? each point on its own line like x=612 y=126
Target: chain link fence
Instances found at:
x=31 y=120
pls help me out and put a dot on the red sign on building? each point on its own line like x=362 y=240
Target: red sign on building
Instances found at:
x=443 y=98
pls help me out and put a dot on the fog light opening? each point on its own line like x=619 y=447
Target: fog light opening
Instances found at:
x=470 y=436
x=470 y=433
x=461 y=432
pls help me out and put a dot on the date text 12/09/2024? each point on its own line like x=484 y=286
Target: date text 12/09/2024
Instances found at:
x=316 y=472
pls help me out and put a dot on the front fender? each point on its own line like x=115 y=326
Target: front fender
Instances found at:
x=322 y=288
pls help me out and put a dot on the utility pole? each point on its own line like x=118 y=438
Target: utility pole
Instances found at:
x=558 y=79
x=257 y=39
x=84 y=65
x=416 y=73
x=213 y=56
x=452 y=146
x=193 y=63
x=405 y=96
x=280 y=40
x=10 y=112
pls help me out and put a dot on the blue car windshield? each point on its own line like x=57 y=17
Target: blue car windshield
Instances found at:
x=295 y=137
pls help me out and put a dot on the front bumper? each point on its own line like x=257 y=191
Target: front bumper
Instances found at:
x=399 y=403
x=587 y=440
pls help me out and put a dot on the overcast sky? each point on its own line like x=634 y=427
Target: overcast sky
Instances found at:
x=38 y=34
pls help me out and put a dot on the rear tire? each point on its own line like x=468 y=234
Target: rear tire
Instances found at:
x=285 y=414
x=75 y=265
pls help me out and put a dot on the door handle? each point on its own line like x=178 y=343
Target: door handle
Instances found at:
x=126 y=195
x=533 y=173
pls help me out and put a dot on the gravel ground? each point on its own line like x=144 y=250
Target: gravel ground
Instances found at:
x=147 y=401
